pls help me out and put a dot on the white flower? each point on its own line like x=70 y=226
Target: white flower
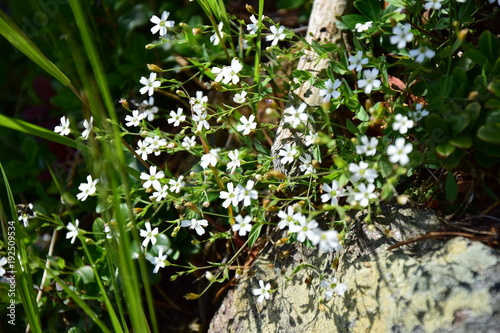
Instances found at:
x=149 y=110
x=252 y=27
x=160 y=193
x=188 y=142
x=246 y=194
x=305 y=229
x=88 y=125
x=162 y=24
x=370 y=81
x=73 y=231
x=149 y=84
x=235 y=161
x=155 y=143
x=199 y=101
x=231 y=196
x=310 y=139
x=402 y=123
x=276 y=35
x=3 y=261
x=197 y=225
x=247 y=125
x=357 y=61
x=367 y=146
x=262 y=292
x=88 y=188
x=360 y=27
x=490 y=1
x=240 y=98
x=434 y=4
x=148 y=234
x=134 y=119
x=214 y=39
x=152 y=180
x=295 y=117
x=63 y=129
x=332 y=286
x=362 y=171
x=332 y=193
x=176 y=117
x=331 y=90
x=306 y=167
x=176 y=185
x=228 y=73
x=201 y=120
x=288 y=154
x=365 y=194
x=419 y=113
x=399 y=151
x=242 y=225
x=143 y=149
x=26 y=214
x=110 y=233
x=159 y=261
x=401 y=36
x=422 y=53
x=287 y=218
x=327 y=241
x=210 y=159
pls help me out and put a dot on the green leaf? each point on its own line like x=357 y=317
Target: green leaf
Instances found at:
x=351 y=20
x=451 y=189
x=436 y=127
x=445 y=149
x=489 y=45
x=464 y=142
x=457 y=123
x=369 y=8
x=351 y=127
x=490 y=133
x=86 y=273
x=494 y=87
x=254 y=234
x=41 y=132
x=472 y=111
x=477 y=56
x=19 y=40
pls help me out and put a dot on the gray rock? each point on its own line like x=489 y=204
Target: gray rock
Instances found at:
x=429 y=286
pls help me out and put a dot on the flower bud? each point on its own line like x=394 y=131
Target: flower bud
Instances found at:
x=250 y=9
x=210 y=277
x=171 y=145
x=180 y=93
x=137 y=210
x=150 y=46
x=124 y=103
x=154 y=68
x=197 y=31
x=206 y=204
x=462 y=34
x=175 y=231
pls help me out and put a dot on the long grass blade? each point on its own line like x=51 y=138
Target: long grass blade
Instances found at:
x=24 y=282
x=18 y=39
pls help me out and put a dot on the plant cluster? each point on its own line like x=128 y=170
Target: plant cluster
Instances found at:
x=415 y=88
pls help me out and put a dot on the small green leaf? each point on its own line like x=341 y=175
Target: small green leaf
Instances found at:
x=472 y=111
x=445 y=149
x=489 y=45
x=464 y=141
x=351 y=20
x=369 y=8
x=451 y=187
x=254 y=234
x=494 y=87
x=490 y=133
x=86 y=273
